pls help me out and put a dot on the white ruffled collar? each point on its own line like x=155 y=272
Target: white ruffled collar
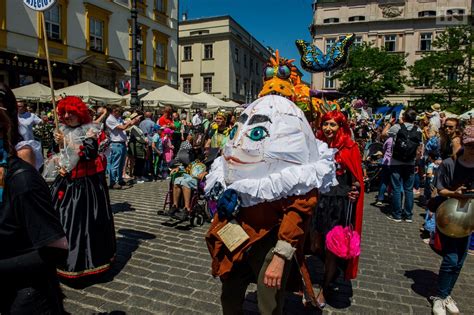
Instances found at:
x=290 y=181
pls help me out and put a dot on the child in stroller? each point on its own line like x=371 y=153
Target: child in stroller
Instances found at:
x=372 y=165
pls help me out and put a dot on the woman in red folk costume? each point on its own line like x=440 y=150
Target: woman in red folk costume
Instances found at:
x=80 y=194
x=344 y=203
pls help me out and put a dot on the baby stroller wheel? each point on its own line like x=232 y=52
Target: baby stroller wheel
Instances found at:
x=197 y=220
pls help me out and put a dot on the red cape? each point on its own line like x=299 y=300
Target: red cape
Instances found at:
x=351 y=158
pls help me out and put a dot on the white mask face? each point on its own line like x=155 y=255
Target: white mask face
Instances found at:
x=270 y=135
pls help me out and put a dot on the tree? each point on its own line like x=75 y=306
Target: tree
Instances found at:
x=447 y=69
x=372 y=74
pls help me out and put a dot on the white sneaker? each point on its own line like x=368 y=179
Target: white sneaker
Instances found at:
x=451 y=305
x=439 y=307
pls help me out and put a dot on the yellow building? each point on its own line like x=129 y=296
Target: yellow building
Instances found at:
x=88 y=41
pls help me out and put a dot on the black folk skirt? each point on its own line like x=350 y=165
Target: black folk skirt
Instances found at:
x=86 y=216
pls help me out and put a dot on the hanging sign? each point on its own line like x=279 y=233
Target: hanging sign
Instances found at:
x=39 y=5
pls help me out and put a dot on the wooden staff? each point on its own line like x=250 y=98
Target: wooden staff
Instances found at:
x=50 y=74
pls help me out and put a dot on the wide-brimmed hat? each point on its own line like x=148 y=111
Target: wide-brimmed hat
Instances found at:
x=436 y=106
x=134 y=115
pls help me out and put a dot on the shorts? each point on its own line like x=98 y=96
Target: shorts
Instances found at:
x=187 y=181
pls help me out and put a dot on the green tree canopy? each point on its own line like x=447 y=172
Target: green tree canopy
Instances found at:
x=447 y=69
x=372 y=74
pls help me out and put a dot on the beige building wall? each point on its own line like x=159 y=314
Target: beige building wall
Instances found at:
x=235 y=68
x=407 y=22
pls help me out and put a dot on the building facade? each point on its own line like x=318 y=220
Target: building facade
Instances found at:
x=400 y=26
x=88 y=41
x=218 y=56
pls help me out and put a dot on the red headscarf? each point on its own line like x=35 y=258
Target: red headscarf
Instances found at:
x=74 y=105
x=348 y=156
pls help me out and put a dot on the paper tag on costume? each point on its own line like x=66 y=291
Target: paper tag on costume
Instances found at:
x=233 y=235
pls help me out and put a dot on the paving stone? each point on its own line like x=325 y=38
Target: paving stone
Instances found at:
x=163 y=269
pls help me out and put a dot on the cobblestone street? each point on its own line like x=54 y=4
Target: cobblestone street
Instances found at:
x=165 y=269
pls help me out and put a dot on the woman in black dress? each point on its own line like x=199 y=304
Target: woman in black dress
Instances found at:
x=343 y=202
x=81 y=196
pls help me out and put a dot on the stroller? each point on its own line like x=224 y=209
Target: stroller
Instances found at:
x=372 y=163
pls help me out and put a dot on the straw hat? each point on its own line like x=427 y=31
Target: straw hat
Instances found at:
x=436 y=106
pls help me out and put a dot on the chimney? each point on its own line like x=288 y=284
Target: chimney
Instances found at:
x=184 y=17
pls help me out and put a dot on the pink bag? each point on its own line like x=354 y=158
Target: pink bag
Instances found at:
x=344 y=242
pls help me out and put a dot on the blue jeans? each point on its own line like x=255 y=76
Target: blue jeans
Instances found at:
x=402 y=177
x=384 y=182
x=454 y=251
x=471 y=245
x=118 y=152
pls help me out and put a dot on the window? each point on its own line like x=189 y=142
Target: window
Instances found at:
x=53 y=22
x=187 y=85
x=455 y=12
x=237 y=85
x=331 y=20
x=453 y=75
x=328 y=80
x=160 y=6
x=207 y=84
x=358 y=41
x=160 y=55
x=426 y=13
x=160 y=59
x=390 y=42
x=96 y=35
x=245 y=60
x=236 y=55
x=425 y=41
x=187 y=53
x=208 y=51
x=257 y=67
x=251 y=65
x=97 y=28
x=356 y=18
x=329 y=43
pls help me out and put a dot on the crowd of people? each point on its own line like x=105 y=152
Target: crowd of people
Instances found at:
x=67 y=230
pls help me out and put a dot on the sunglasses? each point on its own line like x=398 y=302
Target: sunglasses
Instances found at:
x=282 y=72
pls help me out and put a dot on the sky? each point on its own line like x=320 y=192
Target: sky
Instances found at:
x=276 y=23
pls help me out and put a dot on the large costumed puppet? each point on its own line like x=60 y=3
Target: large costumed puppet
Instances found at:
x=268 y=180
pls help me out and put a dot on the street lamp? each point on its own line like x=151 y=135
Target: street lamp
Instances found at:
x=135 y=72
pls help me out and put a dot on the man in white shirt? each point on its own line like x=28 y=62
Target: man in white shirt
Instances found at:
x=26 y=121
x=197 y=119
x=118 y=149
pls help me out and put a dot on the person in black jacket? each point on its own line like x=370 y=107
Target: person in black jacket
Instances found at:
x=32 y=240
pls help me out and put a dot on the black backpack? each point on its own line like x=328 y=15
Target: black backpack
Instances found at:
x=406 y=144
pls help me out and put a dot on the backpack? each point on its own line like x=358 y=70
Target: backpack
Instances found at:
x=406 y=144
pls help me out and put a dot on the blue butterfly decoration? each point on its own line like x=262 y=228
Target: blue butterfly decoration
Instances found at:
x=314 y=60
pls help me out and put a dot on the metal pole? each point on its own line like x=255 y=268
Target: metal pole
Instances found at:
x=135 y=74
x=50 y=74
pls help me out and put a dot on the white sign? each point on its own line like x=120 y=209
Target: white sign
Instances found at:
x=39 y=5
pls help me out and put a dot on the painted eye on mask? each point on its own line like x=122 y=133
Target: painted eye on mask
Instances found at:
x=269 y=73
x=284 y=72
x=257 y=133
x=232 y=132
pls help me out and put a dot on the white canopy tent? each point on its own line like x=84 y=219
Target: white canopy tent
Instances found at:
x=467 y=115
x=449 y=114
x=141 y=94
x=91 y=93
x=233 y=104
x=36 y=92
x=168 y=96
x=213 y=103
